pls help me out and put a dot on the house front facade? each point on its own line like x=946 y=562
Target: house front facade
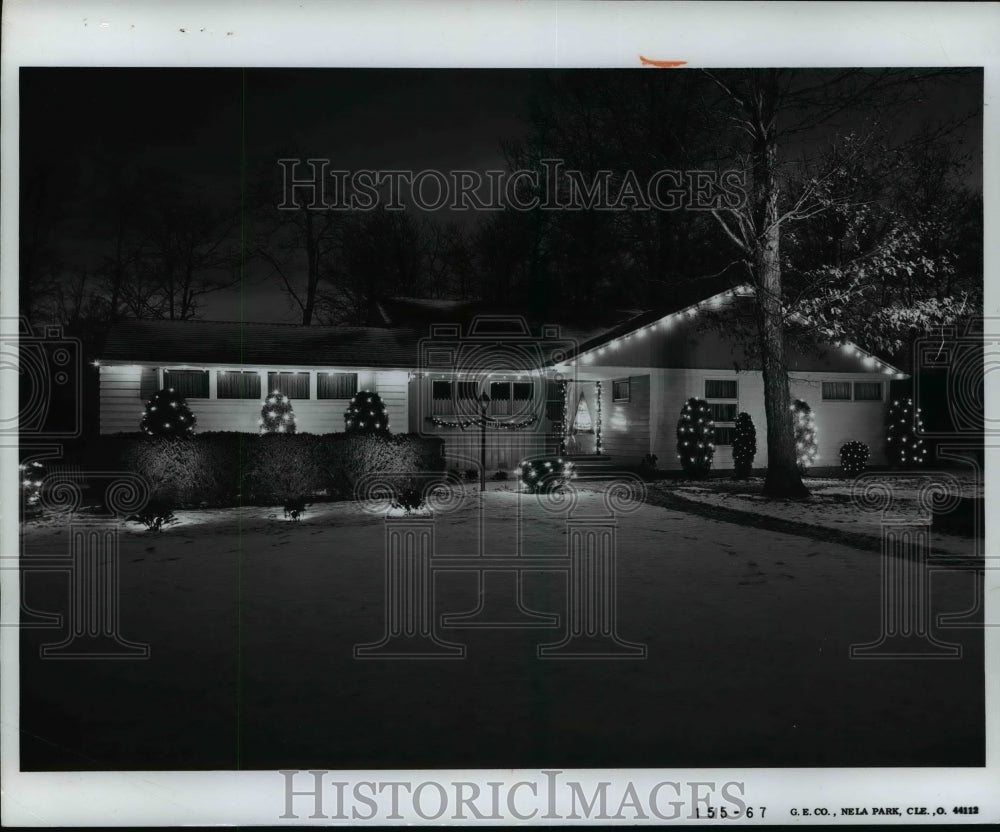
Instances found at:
x=519 y=392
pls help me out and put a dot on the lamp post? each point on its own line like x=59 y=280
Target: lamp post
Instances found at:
x=484 y=403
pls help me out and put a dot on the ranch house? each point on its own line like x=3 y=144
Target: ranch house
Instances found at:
x=614 y=393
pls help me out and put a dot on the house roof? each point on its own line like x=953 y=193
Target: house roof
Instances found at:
x=236 y=343
x=394 y=343
x=684 y=296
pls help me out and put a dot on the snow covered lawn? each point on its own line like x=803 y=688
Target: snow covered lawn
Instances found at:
x=831 y=506
x=252 y=621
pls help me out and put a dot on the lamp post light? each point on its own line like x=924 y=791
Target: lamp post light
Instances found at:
x=484 y=403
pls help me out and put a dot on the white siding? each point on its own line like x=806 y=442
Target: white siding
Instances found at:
x=625 y=425
x=392 y=387
x=836 y=422
x=122 y=404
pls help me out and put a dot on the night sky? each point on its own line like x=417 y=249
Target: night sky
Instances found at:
x=189 y=121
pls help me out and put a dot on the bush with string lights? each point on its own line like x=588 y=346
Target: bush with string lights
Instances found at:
x=696 y=437
x=903 y=447
x=854 y=457
x=804 y=424
x=744 y=445
x=539 y=476
x=276 y=414
x=366 y=414
x=167 y=414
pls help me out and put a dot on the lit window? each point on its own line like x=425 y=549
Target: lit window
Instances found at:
x=293 y=385
x=837 y=391
x=189 y=384
x=722 y=398
x=868 y=391
x=336 y=385
x=238 y=384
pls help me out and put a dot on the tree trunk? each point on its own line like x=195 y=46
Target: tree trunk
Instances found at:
x=783 y=478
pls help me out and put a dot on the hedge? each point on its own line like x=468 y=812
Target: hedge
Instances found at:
x=227 y=468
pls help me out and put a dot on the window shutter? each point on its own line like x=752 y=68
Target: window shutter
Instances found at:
x=148 y=382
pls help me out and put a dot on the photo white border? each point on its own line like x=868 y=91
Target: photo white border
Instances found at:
x=477 y=34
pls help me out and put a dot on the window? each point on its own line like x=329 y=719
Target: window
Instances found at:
x=868 y=391
x=720 y=388
x=723 y=411
x=510 y=398
x=238 y=384
x=553 y=401
x=620 y=391
x=191 y=384
x=500 y=398
x=336 y=385
x=837 y=390
x=863 y=391
x=293 y=385
x=441 y=397
x=721 y=395
x=724 y=435
x=443 y=401
x=468 y=394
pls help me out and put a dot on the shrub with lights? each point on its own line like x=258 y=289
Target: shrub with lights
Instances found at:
x=903 y=447
x=854 y=457
x=696 y=437
x=539 y=476
x=804 y=424
x=366 y=414
x=744 y=445
x=276 y=414
x=167 y=414
x=31 y=484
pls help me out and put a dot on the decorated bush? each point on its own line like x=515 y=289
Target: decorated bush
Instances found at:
x=228 y=469
x=31 y=474
x=804 y=425
x=696 y=437
x=903 y=447
x=366 y=414
x=539 y=476
x=854 y=457
x=276 y=414
x=167 y=415
x=744 y=444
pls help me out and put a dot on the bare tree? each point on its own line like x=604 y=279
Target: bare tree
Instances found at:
x=765 y=108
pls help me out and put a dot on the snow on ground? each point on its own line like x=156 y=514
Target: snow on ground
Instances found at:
x=831 y=506
x=252 y=620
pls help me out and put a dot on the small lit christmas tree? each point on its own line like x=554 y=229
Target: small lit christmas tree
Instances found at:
x=696 y=437
x=804 y=424
x=744 y=445
x=903 y=448
x=854 y=457
x=366 y=414
x=167 y=414
x=276 y=414
x=540 y=476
